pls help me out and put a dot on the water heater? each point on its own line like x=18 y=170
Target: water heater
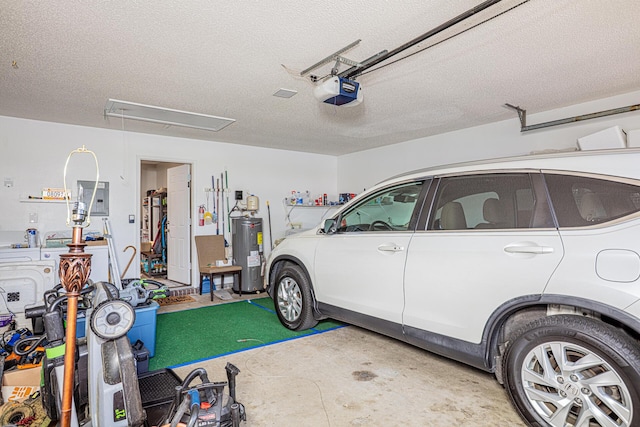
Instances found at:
x=248 y=253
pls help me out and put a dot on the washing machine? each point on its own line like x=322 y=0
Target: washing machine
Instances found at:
x=99 y=260
x=8 y=254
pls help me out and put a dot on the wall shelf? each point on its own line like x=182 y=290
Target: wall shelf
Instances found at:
x=291 y=208
x=41 y=201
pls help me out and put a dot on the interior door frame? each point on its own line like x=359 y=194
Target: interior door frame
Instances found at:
x=138 y=220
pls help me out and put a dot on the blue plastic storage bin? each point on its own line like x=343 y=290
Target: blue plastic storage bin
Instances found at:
x=143 y=329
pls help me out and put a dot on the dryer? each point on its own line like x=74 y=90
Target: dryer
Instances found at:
x=23 y=284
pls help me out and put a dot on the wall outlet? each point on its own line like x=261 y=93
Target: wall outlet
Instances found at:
x=33 y=217
x=8 y=182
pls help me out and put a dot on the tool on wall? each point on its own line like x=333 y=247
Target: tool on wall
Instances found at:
x=226 y=185
x=208 y=216
x=218 y=207
x=222 y=201
x=214 y=218
x=269 y=219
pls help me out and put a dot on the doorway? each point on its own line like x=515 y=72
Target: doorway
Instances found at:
x=165 y=221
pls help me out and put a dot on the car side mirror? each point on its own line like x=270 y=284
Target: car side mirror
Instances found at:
x=330 y=226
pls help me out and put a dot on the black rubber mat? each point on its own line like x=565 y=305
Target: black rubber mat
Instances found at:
x=157 y=387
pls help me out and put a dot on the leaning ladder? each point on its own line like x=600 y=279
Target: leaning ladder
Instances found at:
x=114 y=270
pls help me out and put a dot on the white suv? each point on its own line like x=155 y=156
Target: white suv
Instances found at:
x=526 y=267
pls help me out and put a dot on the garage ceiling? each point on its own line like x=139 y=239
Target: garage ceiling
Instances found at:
x=62 y=61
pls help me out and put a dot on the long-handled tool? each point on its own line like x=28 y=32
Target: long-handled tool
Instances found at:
x=222 y=198
x=226 y=186
x=218 y=206
x=208 y=216
x=214 y=218
x=269 y=219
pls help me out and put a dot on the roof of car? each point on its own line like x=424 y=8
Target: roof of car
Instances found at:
x=584 y=161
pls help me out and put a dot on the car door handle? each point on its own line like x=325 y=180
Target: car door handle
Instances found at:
x=390 y=248
x=529 y=249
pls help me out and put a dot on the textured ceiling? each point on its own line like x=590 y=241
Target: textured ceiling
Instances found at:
x=60 y=61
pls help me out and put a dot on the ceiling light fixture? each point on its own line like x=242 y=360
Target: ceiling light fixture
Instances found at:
x=166 y=116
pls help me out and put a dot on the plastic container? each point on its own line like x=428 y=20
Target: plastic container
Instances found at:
x=143 y=329
x=142 y=360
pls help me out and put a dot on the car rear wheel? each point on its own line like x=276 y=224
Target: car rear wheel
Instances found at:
x=574 y=371
x=293 y=298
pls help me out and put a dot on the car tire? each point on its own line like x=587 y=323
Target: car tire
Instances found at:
x=292 y=298
x=596 y=384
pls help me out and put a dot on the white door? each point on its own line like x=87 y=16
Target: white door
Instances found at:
x=455 y=280
x=372 y=285
x=179 y=224
x=491 y=240
x=360 y=268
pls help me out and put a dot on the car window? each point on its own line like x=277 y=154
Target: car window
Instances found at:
x=580 y=201
x=486 y=201
x=390 y=209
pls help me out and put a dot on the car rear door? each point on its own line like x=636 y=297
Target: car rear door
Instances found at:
x=490 y=239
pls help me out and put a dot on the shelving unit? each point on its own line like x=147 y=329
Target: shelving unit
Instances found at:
x=154 y=208
x=327 y=207
x=290 y=208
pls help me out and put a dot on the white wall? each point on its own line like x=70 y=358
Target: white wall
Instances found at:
x=33 y=154
x=364 y=169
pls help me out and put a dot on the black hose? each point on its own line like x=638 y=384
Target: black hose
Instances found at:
x=27 y=345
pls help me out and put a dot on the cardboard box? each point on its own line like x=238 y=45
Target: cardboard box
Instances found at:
x=633 y=138
x=19 y=384
x=145 y=246
x=608 y=138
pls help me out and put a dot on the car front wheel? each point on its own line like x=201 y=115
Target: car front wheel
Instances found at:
x=293 y=299
x=574 y=371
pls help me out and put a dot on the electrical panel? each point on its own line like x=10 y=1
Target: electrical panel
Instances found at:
x=101 y=201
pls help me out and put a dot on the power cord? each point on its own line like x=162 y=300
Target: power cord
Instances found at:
x=246 y=364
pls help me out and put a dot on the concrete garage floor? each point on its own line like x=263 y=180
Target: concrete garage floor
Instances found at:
x=353 y=377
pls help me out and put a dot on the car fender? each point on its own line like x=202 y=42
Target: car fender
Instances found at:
x=560 y=303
